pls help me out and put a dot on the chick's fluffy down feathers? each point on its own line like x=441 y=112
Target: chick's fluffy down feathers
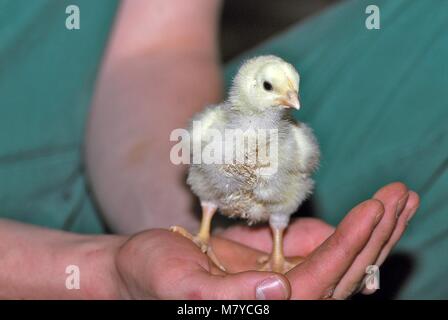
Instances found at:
x=239 y=189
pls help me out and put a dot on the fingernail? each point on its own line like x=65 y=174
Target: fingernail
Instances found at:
x=401 y=204
x=378 y=216
x=411 y=214
x=271 y=288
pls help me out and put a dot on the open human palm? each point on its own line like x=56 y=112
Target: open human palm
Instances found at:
x=167 y=265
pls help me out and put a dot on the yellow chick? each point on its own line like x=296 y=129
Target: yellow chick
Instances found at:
x=261 y=173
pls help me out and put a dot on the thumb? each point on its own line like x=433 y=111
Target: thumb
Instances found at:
x=247 y=285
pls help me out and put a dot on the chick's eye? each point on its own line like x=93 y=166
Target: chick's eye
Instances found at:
x=267 y=86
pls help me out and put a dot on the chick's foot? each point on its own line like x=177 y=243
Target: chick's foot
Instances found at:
x=202 y=243
x=277 y=264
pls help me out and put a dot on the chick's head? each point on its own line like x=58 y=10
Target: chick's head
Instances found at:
x=264 y=83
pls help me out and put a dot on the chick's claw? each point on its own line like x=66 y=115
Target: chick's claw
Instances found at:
x=182 y=231
x=202 y=243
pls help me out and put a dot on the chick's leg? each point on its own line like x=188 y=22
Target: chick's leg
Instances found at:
x=202 y=239
x=276 y=261
x=208 y=211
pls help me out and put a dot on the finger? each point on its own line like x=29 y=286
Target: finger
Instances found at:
x=247 y=285
x=407 y=214
x=318 y=275
x=409 y=211
x=394 y=198
x=308 y=232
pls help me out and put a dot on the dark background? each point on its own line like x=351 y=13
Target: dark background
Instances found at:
x=246 y=23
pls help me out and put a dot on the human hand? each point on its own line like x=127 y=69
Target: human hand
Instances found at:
x=159 y=264
x=336 y=259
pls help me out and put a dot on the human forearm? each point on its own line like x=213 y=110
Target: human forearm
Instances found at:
x=128 y=144
x=141 y=96
x=33 y=263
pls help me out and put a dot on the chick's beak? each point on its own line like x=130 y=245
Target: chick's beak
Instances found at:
x=291 y=100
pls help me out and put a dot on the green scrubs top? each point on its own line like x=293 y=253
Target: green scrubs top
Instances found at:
x=377 y=100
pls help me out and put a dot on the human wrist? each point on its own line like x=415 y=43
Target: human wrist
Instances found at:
x=99 y=278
